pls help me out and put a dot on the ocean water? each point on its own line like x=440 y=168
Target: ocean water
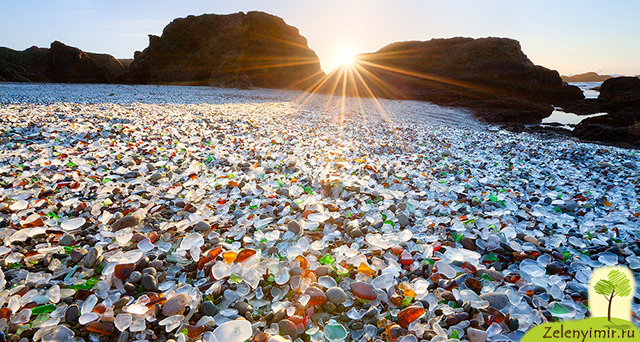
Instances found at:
x=562 y=119
x=587 y=88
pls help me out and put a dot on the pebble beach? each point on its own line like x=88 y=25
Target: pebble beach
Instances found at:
x=165 y=213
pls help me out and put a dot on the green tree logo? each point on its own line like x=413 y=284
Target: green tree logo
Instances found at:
x=616 y=284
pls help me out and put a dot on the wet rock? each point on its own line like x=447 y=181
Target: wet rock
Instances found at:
x=403 y=220
x=495 y=299
x=202 y=226
x=336 y=295
x=294 y=226
x=243 y=308
x=208 y=309
x=92 y=258
x=476 y=335
x=77 y=254
x=288 y=328
x=66 y=240
x=175 y=305
x=149 y=282
x=493 y=274
x=125 y=222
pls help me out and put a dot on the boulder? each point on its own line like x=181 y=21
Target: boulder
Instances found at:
x=620 y=98
x=619 y=84
x=59 y=63
x=492 y=76
x=235 y=50
x=607 y=128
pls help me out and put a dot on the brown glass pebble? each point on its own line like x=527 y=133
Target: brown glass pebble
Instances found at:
x=122 y=271
x=101 y=328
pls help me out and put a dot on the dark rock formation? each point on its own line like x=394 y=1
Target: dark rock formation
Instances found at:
x=236 y=50
x=60 y=63
x=23 y=66
x=620 y=98
x=616 y=86
x=586 y=77
x=605 y=128
x=490 y=75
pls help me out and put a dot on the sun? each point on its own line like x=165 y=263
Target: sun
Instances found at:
x=345 y=57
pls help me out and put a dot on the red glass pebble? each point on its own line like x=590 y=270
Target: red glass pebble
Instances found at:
x=363 y=290
x=406 y=258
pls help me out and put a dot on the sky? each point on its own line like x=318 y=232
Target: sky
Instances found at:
x=569 y=36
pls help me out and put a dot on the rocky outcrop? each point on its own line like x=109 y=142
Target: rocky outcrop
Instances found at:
x=236 y=50
x=586 y=77
x=620 y=98
x=490 y=75
x=60 y=63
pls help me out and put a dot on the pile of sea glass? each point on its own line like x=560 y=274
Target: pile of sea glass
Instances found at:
x=257 y=215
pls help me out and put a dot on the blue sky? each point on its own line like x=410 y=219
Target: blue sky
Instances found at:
x=569 y=36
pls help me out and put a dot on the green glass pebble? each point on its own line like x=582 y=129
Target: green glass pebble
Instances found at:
x=335 y=332
x=43 y=309
x=491 y=257
x=22 y=328
x=559 y=309
x=235 y=278
x=326 y=260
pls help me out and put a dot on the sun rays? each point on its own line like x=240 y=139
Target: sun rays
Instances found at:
x=387 y=75
x=351 y=81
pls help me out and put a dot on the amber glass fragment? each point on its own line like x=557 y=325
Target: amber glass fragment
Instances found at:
x=498 y=316
x=407 y=289
x=303 y=261
x=229 y=257
x=5 y=313
x=317 y=297
x=366 y=270
x=210 y=255
x=100 y=308
x=194 y=331
x=245 y=254
x=469 y=266
x=408 y=315
x=101 y=328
